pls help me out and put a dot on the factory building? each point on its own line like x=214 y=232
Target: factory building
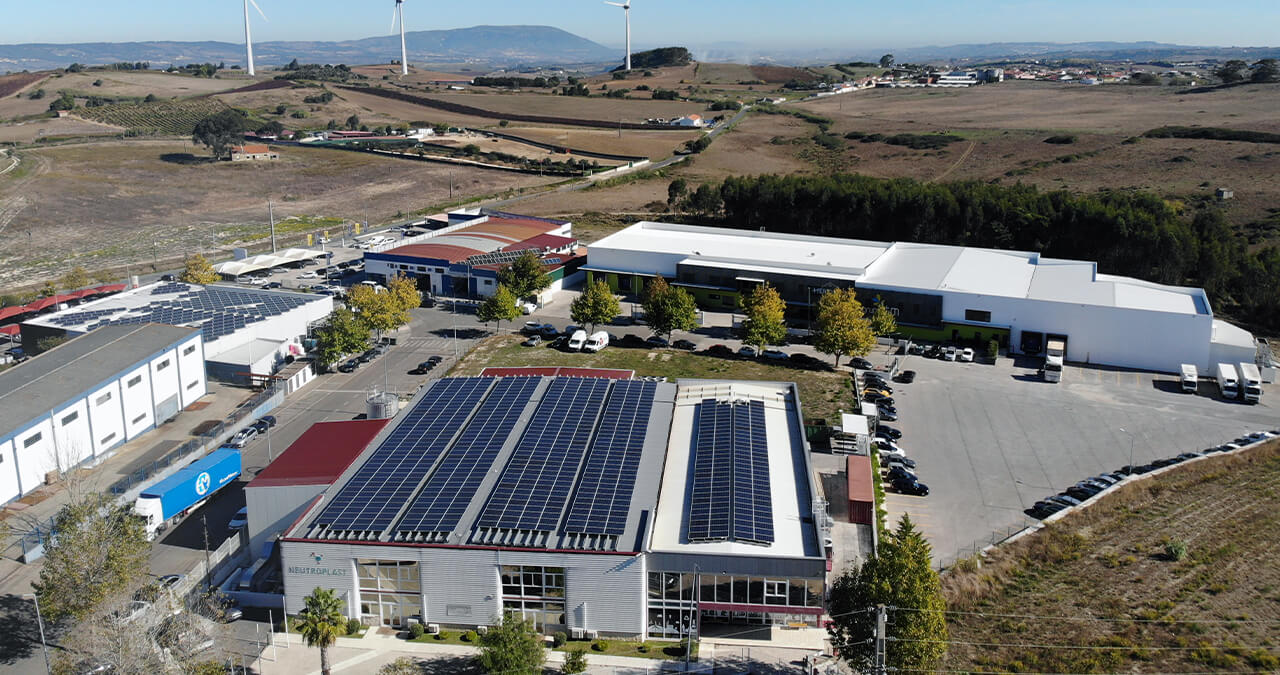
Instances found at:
x=76 y=403
x=591 y=505
x=938 y=293
x=249 y=333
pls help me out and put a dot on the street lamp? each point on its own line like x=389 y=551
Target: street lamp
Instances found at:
x=40 y=622
x=1126 y=433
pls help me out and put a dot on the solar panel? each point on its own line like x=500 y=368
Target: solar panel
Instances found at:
x=442 y=501
x=534 y=486
x=375 y=493
x=603 y=497
x=711 y=494
x=752 y=500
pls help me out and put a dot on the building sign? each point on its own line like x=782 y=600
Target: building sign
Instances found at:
x=202 y=483
x=318 y=571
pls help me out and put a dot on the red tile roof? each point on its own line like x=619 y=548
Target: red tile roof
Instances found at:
x=320 y=454
x=541 y=241
x=11 y=329
x=10 y=312
x=251 y=149
x=435 y=252
x=557 y=371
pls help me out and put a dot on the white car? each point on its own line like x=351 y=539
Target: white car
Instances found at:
x=966 y=354
x=949 y=354
x=528 y=308
x=309 y=274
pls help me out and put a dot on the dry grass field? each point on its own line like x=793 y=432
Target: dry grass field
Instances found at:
x=54 y=127
x=651 y=144
x=141 y=83
x=104 y=204
x=722 y=73
x=1177 y=573
x=594 y=108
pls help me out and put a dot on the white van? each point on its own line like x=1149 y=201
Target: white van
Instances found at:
x=598 y=340
x=577 y=340
x=377 y=287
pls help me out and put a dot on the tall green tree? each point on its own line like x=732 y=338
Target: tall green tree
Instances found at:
x=197 y=270
x=901 y=577
x=74 y=279
x=883 y=322
x=1231 y=71
x=668 y=309
x=404 y=292
x=676 y=191
x=595 y=305
x=886 y=61
x=1266 y=70
x=385 y=310
x=321 y=622
x=499 y=307
x=525 y=276
x=341 y=334
x=843 y=328
x=220 y=131
x=765 y=323
x=512 y=647
x=101 y=550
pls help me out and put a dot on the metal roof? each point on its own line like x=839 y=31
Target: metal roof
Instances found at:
x=320 y=454
x=40 y=385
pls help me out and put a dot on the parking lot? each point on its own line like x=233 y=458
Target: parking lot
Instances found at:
x=991 y=440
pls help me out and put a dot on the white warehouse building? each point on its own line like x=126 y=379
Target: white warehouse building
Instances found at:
x=940 y=293
x=75 y=404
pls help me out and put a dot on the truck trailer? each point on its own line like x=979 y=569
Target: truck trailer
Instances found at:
x=188 y=489
x=1190 y=378
x=1250 y=382
x=1055 y=352
x=1228 y=383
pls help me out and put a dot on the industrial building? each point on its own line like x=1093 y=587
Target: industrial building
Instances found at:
x=76 y=403
x=245 y=330
x=939 y=293
x=591 y=505
x=463 y=259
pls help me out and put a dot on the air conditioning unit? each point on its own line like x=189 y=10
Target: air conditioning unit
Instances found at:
x=577 y=633
x=592 y=635
x=481 y=630
x=411 y=620
x=433 y=628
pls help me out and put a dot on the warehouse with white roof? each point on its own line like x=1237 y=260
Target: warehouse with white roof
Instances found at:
x=939 y=293
x=591 y=505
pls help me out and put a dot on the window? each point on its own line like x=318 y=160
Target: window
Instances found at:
x=31 y=440
x=775 y=592
x=135 y=380
x=139 y=418
x=532 y=581
x=108 y=438
x=977 y=315
x=73 y=416
x=103 y=399
x=188 y=350
x=162 y=365
x=439 y=270
x=193 y=384
x=713 y=296
x=624 y=283
x=488 y=282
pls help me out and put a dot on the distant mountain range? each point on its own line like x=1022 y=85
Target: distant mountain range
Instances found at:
x=490 y=45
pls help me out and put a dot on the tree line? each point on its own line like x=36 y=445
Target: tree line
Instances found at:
x=1129 y=233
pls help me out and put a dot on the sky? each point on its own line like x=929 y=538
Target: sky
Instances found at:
x=775 y=24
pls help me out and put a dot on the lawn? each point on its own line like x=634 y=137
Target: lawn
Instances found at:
x=650 y=649
x=1176 y=573
x=822 y=394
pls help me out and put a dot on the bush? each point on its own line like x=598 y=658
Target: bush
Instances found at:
x=643 y=648
x=443 y=635
x=503 y=123
x=354 y=626
x=1061 y=139
x=299 y=114
x=993 y=350
x=575 y=661
x=600 y=645
x=416 y=631
x=1175 y=550
x=559 y=638
x=470 y=636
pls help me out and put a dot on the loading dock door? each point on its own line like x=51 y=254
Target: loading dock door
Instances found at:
x=167 y=410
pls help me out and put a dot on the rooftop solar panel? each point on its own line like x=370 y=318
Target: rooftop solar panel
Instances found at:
x=752 y=500
x=711 y=491
x=535 y=485
x=603 y=497
x=442 y=501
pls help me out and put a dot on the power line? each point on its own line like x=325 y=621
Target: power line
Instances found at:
x=1085 y=618
x=1028 y=645
x=997 y=672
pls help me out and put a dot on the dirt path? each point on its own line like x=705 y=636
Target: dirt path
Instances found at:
x=967 y=151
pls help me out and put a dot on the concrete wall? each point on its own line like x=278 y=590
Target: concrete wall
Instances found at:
x=272 y=509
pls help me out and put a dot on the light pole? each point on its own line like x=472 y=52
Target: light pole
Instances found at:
x=1126 y=433
x=44 y=647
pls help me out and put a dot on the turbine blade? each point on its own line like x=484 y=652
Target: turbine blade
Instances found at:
x=615 y=4
x=260 y=13
x=395 y=11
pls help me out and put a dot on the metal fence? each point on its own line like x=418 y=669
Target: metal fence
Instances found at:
x=979 y=545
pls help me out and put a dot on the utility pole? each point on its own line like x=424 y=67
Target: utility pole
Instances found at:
x=44 y=646
x=208 y=573
x=881 y=619
x=271 y=216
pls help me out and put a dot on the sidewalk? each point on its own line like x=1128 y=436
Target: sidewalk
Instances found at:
x=42 y=504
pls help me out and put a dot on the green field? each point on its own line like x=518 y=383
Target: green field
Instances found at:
x=160 y=117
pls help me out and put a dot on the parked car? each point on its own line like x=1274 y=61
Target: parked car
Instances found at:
x=169 y=581
x=1065 y=500
x=910 y=487
x=932 y=352
x=656 y=341
x=274 y=284
x=898 y=471
x=528 y=308
x=721 y=351
x=747 y=352
x=242 y=437
x=904 y=462
x=888 y=432
x=168 y=277
x=532 y=328
x=888 y=414
x=686 y=345
x=632 y=340
x=239 y=520
x=1042 y=510
x=860 y=363
x=349 y=366
x=906 y=377
x=1082 y=492
x=265 y=422
x=802 y=360
x=548 y=331
x=879 y=387
x=533 y=341
x=775 y=354
x=877 y=398
x=916 y=349
x=309 y=274
x=966 y=354
x=949 y=354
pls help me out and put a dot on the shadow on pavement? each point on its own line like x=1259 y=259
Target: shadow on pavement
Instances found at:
x=19 y=632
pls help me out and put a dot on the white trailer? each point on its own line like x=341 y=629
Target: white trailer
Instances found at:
x=1228 y=383
x=1190 y=378
x=1055 y=351
x=1250 y=382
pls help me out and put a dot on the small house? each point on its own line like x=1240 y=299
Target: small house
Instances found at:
x=252 y=152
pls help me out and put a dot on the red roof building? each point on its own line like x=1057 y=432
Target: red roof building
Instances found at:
x=320 y=454
x=557 y=371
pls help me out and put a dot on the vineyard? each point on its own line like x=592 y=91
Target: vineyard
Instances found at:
x=11 y=84
x=161 y=117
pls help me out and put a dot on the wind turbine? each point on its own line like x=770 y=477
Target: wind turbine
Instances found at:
x=626 y=9
x=398 y=13
x=248 y=40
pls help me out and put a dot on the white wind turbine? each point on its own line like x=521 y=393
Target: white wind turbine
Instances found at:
x=248 y=39
x=626 y=9
x=398 y=13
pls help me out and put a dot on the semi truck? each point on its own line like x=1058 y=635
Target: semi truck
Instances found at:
x=1250 y=382
x=1190 y=378
x=1055 y=351
x=187 y=490
x=1228 y=384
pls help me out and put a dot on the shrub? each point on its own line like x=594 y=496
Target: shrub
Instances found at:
x=469 y=636
x=299 y=114
x=353 y=626
x=1175 y=550
x=443 y=635
x=1061 y=139
x=559 y=638
x=575 y=661
x=600 y=645
x=993 y=350
x=643 y=648
x=416 y=631
x=828 y=141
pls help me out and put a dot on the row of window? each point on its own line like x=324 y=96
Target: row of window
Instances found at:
x=389 y=575
x=739 y=590
x=532 y=581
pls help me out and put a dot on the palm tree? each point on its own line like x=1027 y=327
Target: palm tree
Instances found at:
x=321 y=622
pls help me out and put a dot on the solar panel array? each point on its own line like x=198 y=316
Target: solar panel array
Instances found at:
x=730 y=493
x=371 y=498
x=216 y=310
x=603 y=499
x=440 y=505
x=538 y=478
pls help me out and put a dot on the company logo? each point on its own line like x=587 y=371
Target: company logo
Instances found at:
x=317 y=556
x=202 y=483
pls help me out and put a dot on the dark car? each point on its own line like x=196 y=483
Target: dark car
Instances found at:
x=910 y=487
x=686 y=345
x=656 y=341
x=561 y=343
x=878 y=398
x=860 y=363
x=888 y=414
x=367 y=356
x=897 y=471
x=1042 y=510
x=879 y=386
x=423 y=368
x=1064 y=499
x=349 y=366
x=718 y=350
x=168 y=277
x=631 y=340
x=915 y=349
x=274 y=284
x=904 y=462
x=1190 y=455
x=1082 y=492
x=265 y=422
x=905 y=377
x=888 y=432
